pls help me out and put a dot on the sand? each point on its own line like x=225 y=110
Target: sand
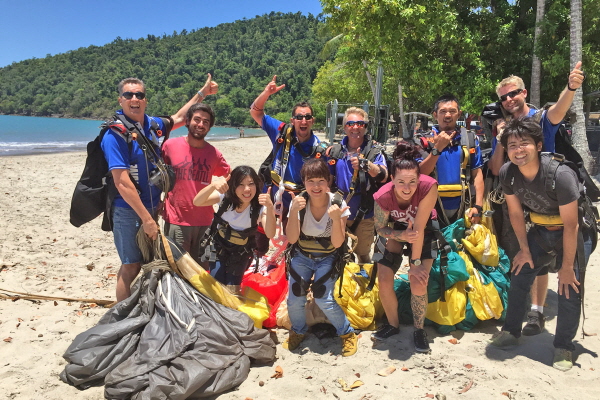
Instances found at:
x=41 y=253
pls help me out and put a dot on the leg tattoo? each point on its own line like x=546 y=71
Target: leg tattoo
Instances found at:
x=419 y=307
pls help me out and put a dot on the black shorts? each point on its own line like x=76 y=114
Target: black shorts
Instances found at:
x=429 y=252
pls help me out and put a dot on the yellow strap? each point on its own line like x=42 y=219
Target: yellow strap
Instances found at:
x=452 y=190
x=545 y=220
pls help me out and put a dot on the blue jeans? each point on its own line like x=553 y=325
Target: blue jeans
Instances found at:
x=126 y=225
x=569 y=310
x=306 y=268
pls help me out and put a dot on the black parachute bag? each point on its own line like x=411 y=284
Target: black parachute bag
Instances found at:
x=92 y=190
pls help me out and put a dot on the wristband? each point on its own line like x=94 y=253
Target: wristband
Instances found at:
x=569 y=87
x=478 y=208
x=201 y=94
x=380 y=175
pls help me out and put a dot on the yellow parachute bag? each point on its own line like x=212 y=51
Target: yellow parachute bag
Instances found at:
x=482 y=244
x=361 y=306
x=251 y=302
x=485 y=299
x=453 y=310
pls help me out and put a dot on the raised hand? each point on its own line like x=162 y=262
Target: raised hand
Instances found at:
x=335 y=213
x=210 y=87
x=576 y=77
x=272 y=87
x=298 y=203
x=264 y=199
x=222 y=186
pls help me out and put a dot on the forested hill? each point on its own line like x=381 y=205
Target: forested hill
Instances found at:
x=242 y=57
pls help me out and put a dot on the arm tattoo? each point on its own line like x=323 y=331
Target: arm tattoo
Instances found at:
x=381 y=218
x=419 y=308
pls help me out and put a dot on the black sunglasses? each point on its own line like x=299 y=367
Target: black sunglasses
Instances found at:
x=300 y=117
x=510 y=94
x=360 y=124
x=138 y=95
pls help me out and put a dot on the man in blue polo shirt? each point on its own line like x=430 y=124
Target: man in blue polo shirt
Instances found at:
x=448 y=145
x=136 y=203
x=358 y=168
x=289 y=154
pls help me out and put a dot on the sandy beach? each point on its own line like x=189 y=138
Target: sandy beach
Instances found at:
x=41 y=253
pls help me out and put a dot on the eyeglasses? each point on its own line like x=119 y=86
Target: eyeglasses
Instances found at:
x=138 y=95
x=300 y=117
x=510 y=94
x=360 y=124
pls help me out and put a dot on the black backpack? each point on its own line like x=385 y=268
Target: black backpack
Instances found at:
x=95 y=190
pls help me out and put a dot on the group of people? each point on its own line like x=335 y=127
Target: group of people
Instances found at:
x=319 y=193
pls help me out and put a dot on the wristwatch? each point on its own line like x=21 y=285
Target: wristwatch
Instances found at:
x=435 y=152
x=416 y=262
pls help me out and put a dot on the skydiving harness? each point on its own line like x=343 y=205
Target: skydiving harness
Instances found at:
x=317 y=248
x=361 y=180
x=285 y=140
x=233 y=248
x=588 y=218
x=463 y=188
x=380 y=252
x=95 y=191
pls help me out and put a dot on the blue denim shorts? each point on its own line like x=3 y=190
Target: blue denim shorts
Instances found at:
x=126 y=224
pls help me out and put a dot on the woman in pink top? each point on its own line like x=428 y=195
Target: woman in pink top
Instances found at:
x=403 y=208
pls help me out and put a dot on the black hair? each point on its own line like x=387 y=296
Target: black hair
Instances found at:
x=315 y=168
x=302 y=104
x=238 y=174
x=445 y=99
x=405 y=157
x=521 y=128
x=200 y=107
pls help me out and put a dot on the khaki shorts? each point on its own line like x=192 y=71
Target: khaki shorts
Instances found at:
x=365 y=233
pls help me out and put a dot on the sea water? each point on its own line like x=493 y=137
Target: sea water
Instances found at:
x=33 y=135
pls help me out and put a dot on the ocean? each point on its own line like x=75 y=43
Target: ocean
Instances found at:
x=36 y=135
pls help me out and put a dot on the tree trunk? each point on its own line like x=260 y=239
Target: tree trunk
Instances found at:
x=405 y=133
x=580 y=142
x=536 y=65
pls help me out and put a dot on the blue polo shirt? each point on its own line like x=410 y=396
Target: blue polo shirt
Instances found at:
x=295 y=160
x=548 y=129
x=343 y=172
x=448 y=167
x=116 y=152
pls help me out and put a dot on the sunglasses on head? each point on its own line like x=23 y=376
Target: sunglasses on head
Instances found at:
x=138 y=95
x=510 y=94
x=360 y=124
x=300 y=117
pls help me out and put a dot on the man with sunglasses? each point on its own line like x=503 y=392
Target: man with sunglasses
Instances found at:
x=455 y=156
x=137 y=200
x=358 y=166
x=292 y=145
x=512 y=95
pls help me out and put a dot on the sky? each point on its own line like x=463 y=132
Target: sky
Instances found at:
x=36 y=28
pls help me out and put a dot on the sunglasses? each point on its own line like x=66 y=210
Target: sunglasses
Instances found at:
x=300 y=117
x=510 y=94
x=360 y=124
x=138 y=95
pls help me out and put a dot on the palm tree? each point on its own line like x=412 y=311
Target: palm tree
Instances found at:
x=536 y=65
x=580 y=142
